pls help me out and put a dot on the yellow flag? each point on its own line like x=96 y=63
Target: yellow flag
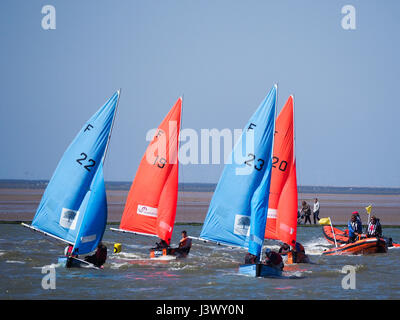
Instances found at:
x=369 y=208
x=324 y=221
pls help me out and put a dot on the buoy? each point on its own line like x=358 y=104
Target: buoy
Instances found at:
x=117 y=248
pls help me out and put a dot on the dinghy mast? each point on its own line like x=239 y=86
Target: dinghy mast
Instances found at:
x=112 y=125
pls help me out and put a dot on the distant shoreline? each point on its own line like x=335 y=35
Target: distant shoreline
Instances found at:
x=201 y=224
x=208 y=187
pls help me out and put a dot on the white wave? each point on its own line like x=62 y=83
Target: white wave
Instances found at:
x=115 y=265
x=127 y=255
x=312 y=247
x=316 y=246
x=15 y=261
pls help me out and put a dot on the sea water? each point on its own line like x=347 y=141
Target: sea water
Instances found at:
x=209 y=272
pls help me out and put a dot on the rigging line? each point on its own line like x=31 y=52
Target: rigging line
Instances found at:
x=295 y=148
x=183 y=183
x=112 y=126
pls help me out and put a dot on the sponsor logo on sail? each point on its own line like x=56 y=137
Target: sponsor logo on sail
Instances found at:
x=69 y=218
x=89 y=238
x=242 y=225
x=147 y=211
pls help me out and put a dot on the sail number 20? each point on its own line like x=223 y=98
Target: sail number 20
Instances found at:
x=282 y=164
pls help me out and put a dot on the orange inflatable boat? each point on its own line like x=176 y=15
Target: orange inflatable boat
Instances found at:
x=342 y=237
x=363 y=246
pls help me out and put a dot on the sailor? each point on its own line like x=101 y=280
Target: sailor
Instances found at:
x=284 y=249
x=374 y=228
x=161 y=245
x=184 y=245
x=273 y=259
x=298 y=252
x=99 y=257
x=68 y=251
x=355 y=228
x=250 y=258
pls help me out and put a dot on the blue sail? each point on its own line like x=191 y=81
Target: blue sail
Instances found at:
x=94 y=221
x=61 y=211
x=238 y=210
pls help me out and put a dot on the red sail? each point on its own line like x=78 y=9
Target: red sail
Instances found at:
x=151 y=204
x=286 y=220
x=282 y=169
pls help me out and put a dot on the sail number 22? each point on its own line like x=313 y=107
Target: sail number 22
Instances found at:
x=90 y=161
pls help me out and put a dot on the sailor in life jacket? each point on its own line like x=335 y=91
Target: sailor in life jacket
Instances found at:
x=68 y=251
x=250 y=258
x=99 y=257
x=355 y=228
x=298 y=253
x=184 y=245
x=374 y=228
x=284 y=249
x=273 y=259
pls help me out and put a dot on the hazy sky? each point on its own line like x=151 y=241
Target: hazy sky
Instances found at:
x=224 y=56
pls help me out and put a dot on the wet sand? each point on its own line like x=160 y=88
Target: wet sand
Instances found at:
x=21 y=205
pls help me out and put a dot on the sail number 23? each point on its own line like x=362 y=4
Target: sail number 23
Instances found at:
x=259 y=163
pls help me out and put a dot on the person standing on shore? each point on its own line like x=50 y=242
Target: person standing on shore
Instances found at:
x=306 y=210
x=316 y=211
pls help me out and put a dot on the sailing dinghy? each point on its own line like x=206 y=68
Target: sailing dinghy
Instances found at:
x=283 y=199
x=73 y=208
x=238 y=210
x=150 y=208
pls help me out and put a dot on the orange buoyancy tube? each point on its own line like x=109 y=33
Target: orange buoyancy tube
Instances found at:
x=341 y=236
x=363 y=246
